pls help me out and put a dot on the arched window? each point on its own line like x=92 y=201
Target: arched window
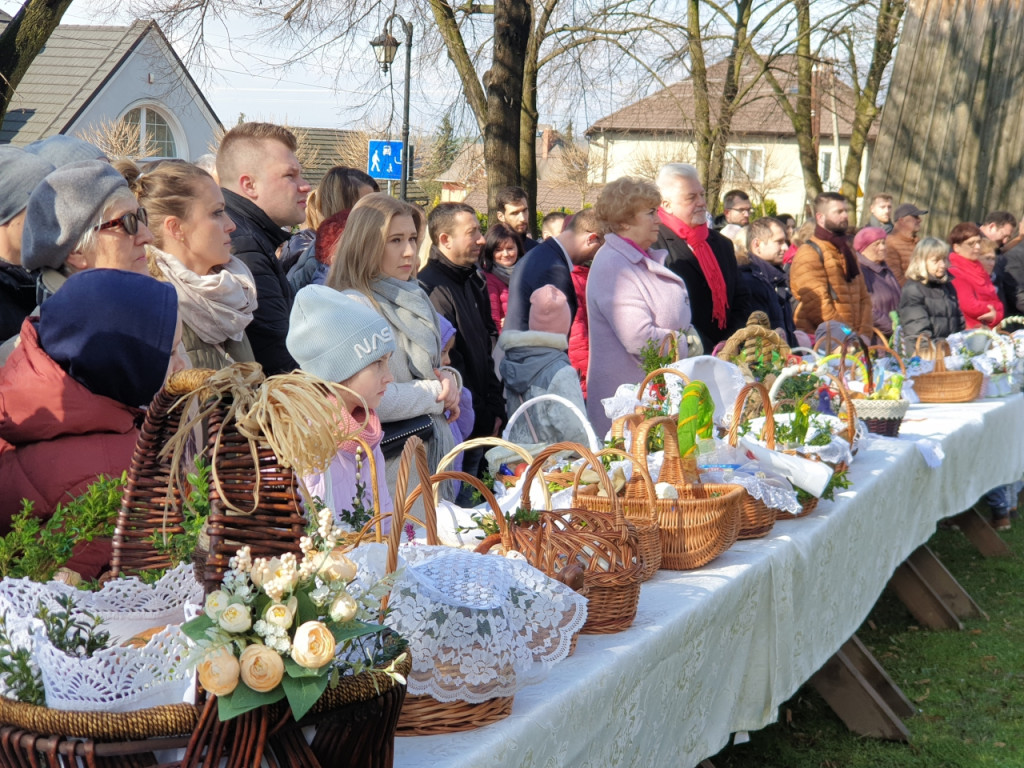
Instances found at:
x=155 y=136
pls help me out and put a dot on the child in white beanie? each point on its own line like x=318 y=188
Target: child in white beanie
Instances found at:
x=536 y=362
x=339 y=339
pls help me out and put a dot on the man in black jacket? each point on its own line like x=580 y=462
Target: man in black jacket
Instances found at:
x=264 y=192
x=702 y=257
x=766 y=244
x=514 y=212
x=551 y=263
x=458 y=292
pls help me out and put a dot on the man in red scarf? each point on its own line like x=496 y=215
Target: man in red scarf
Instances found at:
x=703 y=258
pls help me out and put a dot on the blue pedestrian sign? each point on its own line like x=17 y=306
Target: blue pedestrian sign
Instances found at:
x=385 y=160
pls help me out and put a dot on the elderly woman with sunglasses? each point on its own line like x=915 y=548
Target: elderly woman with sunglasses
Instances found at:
x=82 y=216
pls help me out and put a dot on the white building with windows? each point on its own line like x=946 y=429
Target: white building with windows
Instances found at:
x=88 y=79
x=762 y=156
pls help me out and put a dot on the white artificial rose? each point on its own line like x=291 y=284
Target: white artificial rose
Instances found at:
x=218 y=671
x=235 y=618
x=313 y=645
x=343 y=608
x=336 y=567
x=260 y=667
x=216 y=602
x=280 y=615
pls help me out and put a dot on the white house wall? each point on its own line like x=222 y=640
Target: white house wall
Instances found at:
x=615 y=154
x=193 y=125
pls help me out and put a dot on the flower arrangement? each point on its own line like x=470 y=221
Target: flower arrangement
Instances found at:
x=288 y=628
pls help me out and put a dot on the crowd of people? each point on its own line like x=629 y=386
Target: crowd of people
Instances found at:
x=113 y=276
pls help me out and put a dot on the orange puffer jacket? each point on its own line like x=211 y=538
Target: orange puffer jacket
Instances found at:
x=820 y=287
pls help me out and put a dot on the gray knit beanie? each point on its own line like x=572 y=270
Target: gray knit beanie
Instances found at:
x=20 y=172
x=64 y=206
x=60 y=150
x=334 y=336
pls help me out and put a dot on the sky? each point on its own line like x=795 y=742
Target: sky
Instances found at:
x=243 y=76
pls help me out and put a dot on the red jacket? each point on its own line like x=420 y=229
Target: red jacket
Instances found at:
x=55 y=438
x=975 y=291
x=579 y=340
x=497 y=292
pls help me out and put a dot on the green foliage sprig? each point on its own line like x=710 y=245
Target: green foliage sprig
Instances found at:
x=195 y=508
x=36 y=548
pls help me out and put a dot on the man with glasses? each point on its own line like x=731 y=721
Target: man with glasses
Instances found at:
x=737 y=208
x=265 y=193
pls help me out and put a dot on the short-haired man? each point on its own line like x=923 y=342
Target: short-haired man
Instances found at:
x=766 y=245
x=264 y=193
x=999 y=227
x=551 y=225
x=881 y=212
x=551 y=263
x=22 y=171
x=514 y=212
x=824 y=277
x=1009 y=274
x=703 y=258
x=737 y=207
x=906 y=223
x=459 y=293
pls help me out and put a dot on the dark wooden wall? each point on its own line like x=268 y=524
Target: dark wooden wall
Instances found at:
x=951 y=137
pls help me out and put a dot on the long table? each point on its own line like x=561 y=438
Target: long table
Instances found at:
x=716 y=650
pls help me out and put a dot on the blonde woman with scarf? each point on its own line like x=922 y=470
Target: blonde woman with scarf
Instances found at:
x=192 y=251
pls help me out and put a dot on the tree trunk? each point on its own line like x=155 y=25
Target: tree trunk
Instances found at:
x=22 y=40
x=528 y=121
x=807 y=142
x=504 y=86
x=890 y=16
x=702 y=135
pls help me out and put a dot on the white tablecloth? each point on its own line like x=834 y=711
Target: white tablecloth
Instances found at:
x=717 y=650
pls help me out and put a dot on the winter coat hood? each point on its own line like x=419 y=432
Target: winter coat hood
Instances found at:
x=531 y=358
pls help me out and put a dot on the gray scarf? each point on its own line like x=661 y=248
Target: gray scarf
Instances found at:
x=217 y=306
x=412 y=317
x=406 y=307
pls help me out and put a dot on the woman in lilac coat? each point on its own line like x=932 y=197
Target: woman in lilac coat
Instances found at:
x=632 y=298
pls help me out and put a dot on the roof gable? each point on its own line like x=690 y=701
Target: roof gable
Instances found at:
x=74 y=64
x=671 y=109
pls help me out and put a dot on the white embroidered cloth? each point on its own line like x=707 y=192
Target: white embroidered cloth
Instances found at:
x=478 y=626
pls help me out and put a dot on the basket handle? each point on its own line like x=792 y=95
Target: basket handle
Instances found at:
x=844 y=352
x=630 y=421
x=414 y=452
x=672 y=464
x=435 y=480
x=658 y=372
x=595 y=444
x=890 y=353
x=588 y=456
x=768 y=434
x=482 y=442
x=633 y=482
x=805 y=369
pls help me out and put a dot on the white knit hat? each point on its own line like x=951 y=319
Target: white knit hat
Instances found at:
x=334 y=336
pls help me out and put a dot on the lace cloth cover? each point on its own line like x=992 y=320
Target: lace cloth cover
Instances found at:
x=479 y=626
x=115 y=679
x=836 y=451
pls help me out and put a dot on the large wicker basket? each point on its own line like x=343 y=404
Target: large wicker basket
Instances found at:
x=704 y=521
x=604 y=545
x=356 y=719
x=942 y=386
x=756 y=517
x=882 y=417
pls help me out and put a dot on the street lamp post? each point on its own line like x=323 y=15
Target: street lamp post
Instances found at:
x=385 y=46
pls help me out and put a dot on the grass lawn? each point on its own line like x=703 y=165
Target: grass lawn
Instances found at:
x=968 y=686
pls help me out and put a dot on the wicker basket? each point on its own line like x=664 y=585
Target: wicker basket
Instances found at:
x=356 y=719
x=704 y=521
x=756 y=517
x=942 y=386
x=637 y=504
x=882 y=417
x=603 y=544
x=753 y=342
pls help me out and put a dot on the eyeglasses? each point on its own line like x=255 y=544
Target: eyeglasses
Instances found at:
x=130 y=221
x=741 y=210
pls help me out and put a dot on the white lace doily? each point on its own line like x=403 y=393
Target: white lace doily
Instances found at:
x=775 y=491
x=118 y=679
x=127 y=606
x=478 y=626
x=837 y=450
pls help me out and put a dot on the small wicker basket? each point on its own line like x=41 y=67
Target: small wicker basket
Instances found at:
x=942 y=386
x=756 y=517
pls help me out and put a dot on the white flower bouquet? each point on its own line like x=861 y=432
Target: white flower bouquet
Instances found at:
x=289 y=627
